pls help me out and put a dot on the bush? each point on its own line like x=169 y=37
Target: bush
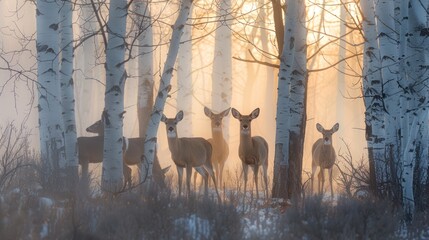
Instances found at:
x=347 y=219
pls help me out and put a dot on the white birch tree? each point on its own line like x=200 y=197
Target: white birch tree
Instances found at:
x=67 y=93
x=144 y=48
x=88 y=76
x=372 y=88
x=298 y=106
x=164 y=88
x=222 y=63
x=418 y=63
x=184 y=80
x=388 y=45
x=145 y=64
x=281 y=154
x=49 y=105
x=112 y=171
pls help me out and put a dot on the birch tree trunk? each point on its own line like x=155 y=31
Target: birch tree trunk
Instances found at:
x=89 y=77
x=418 y=63
x=298 y=105
x=145 y=65
x=49 y=106
x=281 y=155
x=222 y=65
x=67 y=91
x=388 y=45
x=145 y=69
x=373 y=100
x=184 y=80
x=112 y=172
x=164 y=88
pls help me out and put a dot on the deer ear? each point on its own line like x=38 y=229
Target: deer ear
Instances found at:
x=225 y=112
x=319 y=127
x=235 y=113
x=335 y=127
x=255 y=113
x=207 y=112
x=163 y=118
x=179 y=116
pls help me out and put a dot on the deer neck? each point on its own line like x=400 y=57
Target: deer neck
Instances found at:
x=217 y=136
x=246 y=141
x=174 y=145
x=327 y=149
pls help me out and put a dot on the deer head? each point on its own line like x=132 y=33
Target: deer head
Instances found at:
x=216 y=119
x=245 y=120
x=171 y=124
x=327 y=134
x=97 y=127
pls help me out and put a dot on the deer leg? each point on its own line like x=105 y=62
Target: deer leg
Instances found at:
x=264 y=169
x=179 y=178
x=255 y=176
x=210 y=172
x=219 y=179
x=330 y=182
x=127 y=176
x=245 y=176
x=321 y=180
x=188 y=179
x=203 y=173
x=313 y=171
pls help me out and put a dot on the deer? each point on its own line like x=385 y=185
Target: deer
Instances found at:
x=90 y=150
x=220 y=146
x=324 y=156
x=253 y=151
x=133 y=153
x=192 y=152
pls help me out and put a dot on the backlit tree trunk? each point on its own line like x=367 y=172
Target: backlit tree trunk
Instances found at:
x=281 y=154
x=112 y=172
x=222 y=63
x=184 y=80
x=67 y=91
x=298 y=106
x=49 y=106
x=374 y=104
x=164 y=88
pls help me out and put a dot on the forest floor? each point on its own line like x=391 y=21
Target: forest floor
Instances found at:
x=26 y=212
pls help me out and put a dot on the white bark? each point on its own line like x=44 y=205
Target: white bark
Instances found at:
x=145 y=49
x=184 y=80
x=297 y=112
x=388 y=45
x=88 y=76
x=164 y=87
x=418 y=60
x=50 y=121
x=67 y=91
x=112 y=172
x=222 y=63
x=145 y=64
x=281 y=157
x=373 y=99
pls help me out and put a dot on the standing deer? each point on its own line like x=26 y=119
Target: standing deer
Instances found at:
x=219 y=145
x=323 y=156
x=189 y=153
x=133 y=153
x=253 y=151
x=90 y=150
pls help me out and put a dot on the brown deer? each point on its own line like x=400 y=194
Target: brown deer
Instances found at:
x=194 y=152
x=253 y=151
x=133 y=153
x=90 y=150
x=323 y=156
x=219 y=145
